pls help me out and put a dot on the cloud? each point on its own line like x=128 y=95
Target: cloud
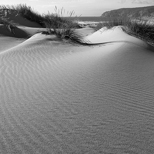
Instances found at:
x=33 y=0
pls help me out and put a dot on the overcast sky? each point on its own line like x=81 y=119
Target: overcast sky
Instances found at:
x=81 y=7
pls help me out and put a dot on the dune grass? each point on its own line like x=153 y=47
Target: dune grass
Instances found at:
x=138 y=28
x=61 y=27
x=143 y=30
x=26 y=12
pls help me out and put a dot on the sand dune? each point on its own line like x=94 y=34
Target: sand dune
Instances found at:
x=16 y=18
x=115 y=34
x=20 y=35
x=56 y=97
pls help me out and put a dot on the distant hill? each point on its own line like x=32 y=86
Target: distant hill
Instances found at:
x=139 y=12
x=146 y=2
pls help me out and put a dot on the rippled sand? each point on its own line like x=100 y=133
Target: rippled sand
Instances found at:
x=56 y=97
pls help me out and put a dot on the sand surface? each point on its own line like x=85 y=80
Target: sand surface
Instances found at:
x=59 y=98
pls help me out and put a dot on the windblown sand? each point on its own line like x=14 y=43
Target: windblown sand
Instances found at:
x=56 y=97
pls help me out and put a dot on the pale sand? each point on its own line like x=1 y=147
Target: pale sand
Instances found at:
x=9 y=42
x=61 y=98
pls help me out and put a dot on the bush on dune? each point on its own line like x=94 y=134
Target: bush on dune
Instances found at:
x=55 y=23
x=61 y=27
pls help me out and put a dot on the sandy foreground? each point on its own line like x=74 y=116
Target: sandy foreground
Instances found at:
x=57 y=97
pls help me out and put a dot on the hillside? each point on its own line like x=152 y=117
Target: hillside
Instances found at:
x=140 y=12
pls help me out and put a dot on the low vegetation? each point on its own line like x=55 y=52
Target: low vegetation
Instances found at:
x=61 y=27
x=55 y=23
x=64 y=28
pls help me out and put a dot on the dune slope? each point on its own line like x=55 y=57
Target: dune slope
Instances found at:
x=60 y=98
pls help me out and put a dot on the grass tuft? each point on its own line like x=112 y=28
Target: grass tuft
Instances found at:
x=63 y=28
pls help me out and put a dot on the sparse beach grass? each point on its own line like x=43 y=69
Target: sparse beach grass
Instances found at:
x=61 y=27
x=55 y=23
x=142 y=29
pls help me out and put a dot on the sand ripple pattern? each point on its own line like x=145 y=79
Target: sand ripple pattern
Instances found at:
x=56 y=98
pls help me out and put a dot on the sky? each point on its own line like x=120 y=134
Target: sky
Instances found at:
x=80 y=7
